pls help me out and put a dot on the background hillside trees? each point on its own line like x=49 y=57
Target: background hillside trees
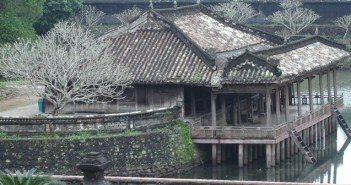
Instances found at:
x=17 y=18
x=293 y=17
x=55 y=11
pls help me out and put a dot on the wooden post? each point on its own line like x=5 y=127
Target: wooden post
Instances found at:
x=241 y=155
x=287 y=107
x=181 y=94
x=219 y=154
x=277 y=104
x=239 y=109
x=268 y=156
x=214 y=154
x=299 y=111
x=250 y=150
x=235 y=111
x=310 y=95
x=288 y=147
x=268 y=106
x=273 y=154
x=193 y=101
x=223 y=110
x=329 y=87
x=246 y=154
x=335 y=85
x=213 y=109
x=321 y=90
x=282 y=146
x=277 y=152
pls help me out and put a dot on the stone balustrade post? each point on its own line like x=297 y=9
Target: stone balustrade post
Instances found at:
x=93 y=166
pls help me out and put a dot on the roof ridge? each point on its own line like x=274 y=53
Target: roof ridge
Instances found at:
x=301 y=43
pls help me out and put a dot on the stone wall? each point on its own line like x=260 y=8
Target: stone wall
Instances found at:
x=139 y=120
x=156 y=153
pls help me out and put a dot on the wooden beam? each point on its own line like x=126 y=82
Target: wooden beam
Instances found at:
x=213 y=109
x=277 y=104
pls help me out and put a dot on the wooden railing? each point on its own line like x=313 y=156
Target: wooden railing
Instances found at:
x=200 y=130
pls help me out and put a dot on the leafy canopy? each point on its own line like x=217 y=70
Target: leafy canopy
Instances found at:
x=55 y=11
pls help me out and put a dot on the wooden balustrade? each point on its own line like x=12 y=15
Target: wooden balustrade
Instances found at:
x=199 y=130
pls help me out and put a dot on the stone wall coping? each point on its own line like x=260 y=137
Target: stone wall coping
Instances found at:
x=92 y=116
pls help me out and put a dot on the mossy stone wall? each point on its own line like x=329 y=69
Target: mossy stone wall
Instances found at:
x=157 y=153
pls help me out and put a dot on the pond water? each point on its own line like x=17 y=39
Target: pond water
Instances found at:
x=334 y=156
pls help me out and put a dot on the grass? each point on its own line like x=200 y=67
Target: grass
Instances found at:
x=74 y=135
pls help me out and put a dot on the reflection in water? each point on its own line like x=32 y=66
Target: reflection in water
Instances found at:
x=333 y=165
x=325 y=170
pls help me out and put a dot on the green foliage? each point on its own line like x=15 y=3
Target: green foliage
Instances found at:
x=26 y=178
x=188 y=150
x=12 y=28
x=55 y=11
x=17 y=18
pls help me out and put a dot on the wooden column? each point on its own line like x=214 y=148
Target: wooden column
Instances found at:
x=223 y=110
x=239 y=109
x=335 y=85
x=298 y=87
x=268 y=106
x=219 y=154
x=310 y=95
x=181 y=95
x=287 y=106
x=329 y=87
x=214 y=154
x=277 y=152
x=288 y=147
x=273 y=154
x=277 y=104
x=213 y=123
x=321 y=88
x=282 y=146
x=213 y=109
x=241 y=155
x=268 y=156
x=246 y=154
x=193 y=106
x=235 y=110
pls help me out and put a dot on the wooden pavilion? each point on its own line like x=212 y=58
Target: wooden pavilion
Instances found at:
x=238 y=86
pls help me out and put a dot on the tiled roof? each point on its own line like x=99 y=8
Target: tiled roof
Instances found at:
x=161 y=57
x=211 y=31
x=306 y=55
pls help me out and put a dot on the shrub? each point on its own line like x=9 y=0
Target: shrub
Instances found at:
x=26 y=178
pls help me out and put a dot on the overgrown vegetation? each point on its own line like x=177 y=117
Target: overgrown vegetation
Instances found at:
x=188 y=151
x=26 y=178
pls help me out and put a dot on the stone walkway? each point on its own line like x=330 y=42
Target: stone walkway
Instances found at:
x=23 y=105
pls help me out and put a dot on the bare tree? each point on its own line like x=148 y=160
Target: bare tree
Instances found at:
x=70 y=63
x=236 y=11
x=293 y=17
x=128 y=15
x=89 y=16
x=345 y=23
